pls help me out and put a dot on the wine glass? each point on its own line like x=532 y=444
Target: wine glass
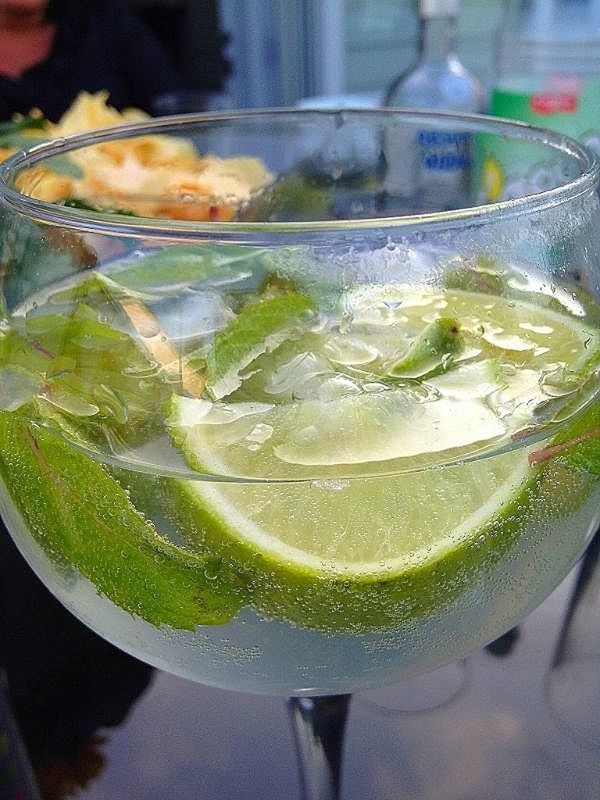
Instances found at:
x=301 y=402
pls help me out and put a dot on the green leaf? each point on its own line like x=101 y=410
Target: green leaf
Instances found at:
x=92 y=370
x=188 y=265
x=63 y=165
x=579 y=446
x=85 y=205
x=31 y=260
x=84 y=520
x=14 y=139
x=258 y=328
x=28 y=122
x=295 y=196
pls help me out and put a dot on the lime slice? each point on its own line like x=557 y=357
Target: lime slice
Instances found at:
x=336 y=541
x=473 y=371
x=354 y=434
x=364 y=554
x=360 y=554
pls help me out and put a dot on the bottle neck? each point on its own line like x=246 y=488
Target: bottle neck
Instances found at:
x=437 y=38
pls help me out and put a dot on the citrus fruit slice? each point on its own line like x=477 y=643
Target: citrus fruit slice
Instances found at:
x=368 y=554
x=419 y=377
x=334 y=542
x=353 y=555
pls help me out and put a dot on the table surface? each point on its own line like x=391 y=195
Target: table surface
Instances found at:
x=482 y=729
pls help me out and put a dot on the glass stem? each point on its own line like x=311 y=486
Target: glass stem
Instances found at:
x=318 y=724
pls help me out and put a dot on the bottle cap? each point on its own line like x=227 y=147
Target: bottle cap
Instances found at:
x=439 y=8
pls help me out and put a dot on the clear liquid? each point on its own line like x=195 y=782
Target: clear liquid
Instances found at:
x=266 y=655
x=355 y=500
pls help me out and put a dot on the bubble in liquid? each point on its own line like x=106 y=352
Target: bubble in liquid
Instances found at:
x=330 y=484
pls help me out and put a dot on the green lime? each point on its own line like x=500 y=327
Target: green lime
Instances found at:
x=320 y=401
x=333 y=541
x=259 y=327
x=364 y=554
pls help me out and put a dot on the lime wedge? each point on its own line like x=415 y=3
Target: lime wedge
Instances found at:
x=323 y=401
x=364 y=554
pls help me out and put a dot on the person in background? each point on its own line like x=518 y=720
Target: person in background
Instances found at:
x=50 y=50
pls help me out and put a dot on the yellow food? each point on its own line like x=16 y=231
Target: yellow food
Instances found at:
x=153 y=175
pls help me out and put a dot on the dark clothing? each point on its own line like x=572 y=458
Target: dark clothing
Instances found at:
x=99 y=44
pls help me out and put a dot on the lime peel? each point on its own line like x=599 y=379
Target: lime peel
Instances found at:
x=432 y=351
x=258 y=328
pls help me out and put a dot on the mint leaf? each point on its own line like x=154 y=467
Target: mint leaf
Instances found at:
x=188 y=265
x=84 y=520
x=583 y=442
x=258 y=328
x=91 y=370
x=34 y=257
x=578 y=446
x=34 y=121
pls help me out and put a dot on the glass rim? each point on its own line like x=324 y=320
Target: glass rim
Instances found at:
x=92 y=221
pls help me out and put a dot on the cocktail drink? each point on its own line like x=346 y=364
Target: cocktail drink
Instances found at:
x=272 y=431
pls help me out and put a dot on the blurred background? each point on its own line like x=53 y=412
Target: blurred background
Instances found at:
x=306 y=47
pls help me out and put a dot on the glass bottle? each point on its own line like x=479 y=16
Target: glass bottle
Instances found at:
x=548 y=66
x=438 y=79
x=433 y=171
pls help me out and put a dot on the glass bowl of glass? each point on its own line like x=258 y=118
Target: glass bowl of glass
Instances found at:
x=301 y=402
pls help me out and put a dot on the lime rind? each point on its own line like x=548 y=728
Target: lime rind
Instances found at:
x=322 y=591
x=258 y=328
x=234 y=519
x=366 y=553
x=322 y=580
x=317 y=593
x=431 y=352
